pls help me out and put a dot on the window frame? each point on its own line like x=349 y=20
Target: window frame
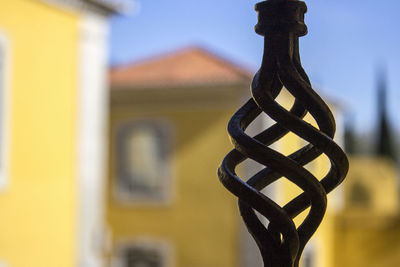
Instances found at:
x=162 y=246
x=5 y=70
x=125 y=197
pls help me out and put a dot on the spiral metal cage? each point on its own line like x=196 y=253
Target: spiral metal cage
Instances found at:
x=281 y=243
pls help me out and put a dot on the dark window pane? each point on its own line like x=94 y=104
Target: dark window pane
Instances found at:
x=308 y=259
x=359 y=195
x=142 y=257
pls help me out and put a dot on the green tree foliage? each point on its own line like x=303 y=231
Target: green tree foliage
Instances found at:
x=350 y=144
x=384 y=145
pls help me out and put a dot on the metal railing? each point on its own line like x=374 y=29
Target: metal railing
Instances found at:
x=281 y=243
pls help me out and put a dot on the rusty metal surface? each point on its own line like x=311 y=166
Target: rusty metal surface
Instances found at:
x=281 y=243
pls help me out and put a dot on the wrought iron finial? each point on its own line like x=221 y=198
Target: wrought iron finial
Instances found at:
x=281 y=242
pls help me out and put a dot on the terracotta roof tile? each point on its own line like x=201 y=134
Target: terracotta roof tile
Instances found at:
x=190 y=66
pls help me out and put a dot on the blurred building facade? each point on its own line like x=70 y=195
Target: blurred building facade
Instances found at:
x=53 y=90
x=368 y=229
x=165 y=205
x=161 y=203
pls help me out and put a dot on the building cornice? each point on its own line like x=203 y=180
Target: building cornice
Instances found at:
x=102 y=7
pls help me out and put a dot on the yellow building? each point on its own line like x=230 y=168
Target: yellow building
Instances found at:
x=368 y=228
x=165 y=205
x=52 y=119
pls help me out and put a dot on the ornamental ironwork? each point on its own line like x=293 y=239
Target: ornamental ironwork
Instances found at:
x=281 y=243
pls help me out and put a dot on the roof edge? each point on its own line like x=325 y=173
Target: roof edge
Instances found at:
x=239 y=68
x=120 y=6
x=236 y=72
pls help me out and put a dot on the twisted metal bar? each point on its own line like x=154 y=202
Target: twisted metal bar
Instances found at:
x=281 y=243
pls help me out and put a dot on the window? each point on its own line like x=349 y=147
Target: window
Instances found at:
x=3 y=106
x=143 y=253
x=143 y=257
x=143 y=161
x=359 y=195
x=308 y=257
x=308 y=260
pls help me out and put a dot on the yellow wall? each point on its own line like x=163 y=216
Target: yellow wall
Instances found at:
x=368 y=232
x=378 y=177
x=201 y=222
x=367 y=241
x=38 y=207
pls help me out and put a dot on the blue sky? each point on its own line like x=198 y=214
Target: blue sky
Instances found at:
x=346 y=43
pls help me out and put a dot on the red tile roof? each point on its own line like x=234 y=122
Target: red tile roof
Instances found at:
x=186 y=67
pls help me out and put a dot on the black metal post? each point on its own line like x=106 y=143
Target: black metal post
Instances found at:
x=281 y=22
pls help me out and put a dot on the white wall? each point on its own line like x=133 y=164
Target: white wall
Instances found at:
x=5 y=75
x=92 y=130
